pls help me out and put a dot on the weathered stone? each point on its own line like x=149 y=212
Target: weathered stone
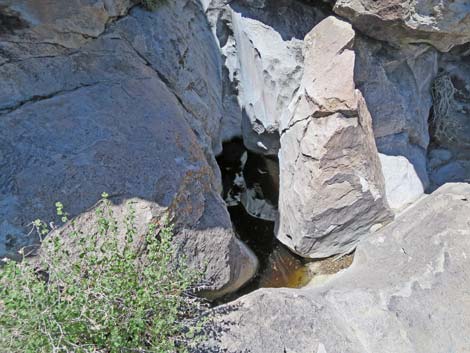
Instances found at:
x=396 y=84
x=263 y=55
x=104 y=117
x=269 y=73
x=443 y=24
x=331 y=184
x=187 y=59
x=53 y=23
x=402 y=184
x=406 y=291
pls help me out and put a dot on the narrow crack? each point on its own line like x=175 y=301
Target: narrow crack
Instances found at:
x=40 y=57
x=39 y=98
x=115 y=19
x=160 y=75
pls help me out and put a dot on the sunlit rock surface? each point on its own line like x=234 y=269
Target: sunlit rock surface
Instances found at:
x=443 y=24
x=406 y=291
x=331 y=182
x=110 y=113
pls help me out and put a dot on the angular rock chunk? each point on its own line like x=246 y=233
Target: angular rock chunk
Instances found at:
x=406 y=292
x=443 y=24
x=331 y=184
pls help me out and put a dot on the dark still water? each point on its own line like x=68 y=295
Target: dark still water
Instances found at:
x=251 y=189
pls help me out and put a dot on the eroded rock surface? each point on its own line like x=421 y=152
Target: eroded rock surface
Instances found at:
x=396 y=84
x=53 y=23
x=108 y=115
x=406 y=291
x=443 y=24
x=331 y=184
x=262 y=48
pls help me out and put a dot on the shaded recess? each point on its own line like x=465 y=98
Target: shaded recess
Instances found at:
x=449 y=120
x=10 y=21
x=248 y=175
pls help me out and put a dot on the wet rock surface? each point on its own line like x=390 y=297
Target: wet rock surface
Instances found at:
x=243 y=171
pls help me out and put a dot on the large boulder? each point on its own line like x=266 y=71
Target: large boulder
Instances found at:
x=396 y=84
x=331 y=184
x=443 y=24
x=406 y=291
x=108 y=117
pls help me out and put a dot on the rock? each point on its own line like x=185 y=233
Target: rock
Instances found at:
x=262 y=47
x=187 y=59
x=396 y=84
x=69 y=26
x=443 y=25
x=260 y=191
x=404 y=169
x=438 y=157
x=454 y=171
x=402 y=183
x=269 y=73
x=331 y=184
x=103 y=118
x=406 y=291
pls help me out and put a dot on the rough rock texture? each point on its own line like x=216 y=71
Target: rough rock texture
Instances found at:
x=68 y=26
x=449 y=155
x=262 y=48
x=109 y=116
x=443 y=24
x=396 y=85
x=331 y=184
x=406 y=291
x=187 y=59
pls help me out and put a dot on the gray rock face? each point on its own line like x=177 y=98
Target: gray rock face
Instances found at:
x=53 y=23
x=262 y=47
x=406 y=291
x=396 y=84
x=103 y=117
x=270 y=70
x=443 y=24
x=331 y=184
x=187 y=59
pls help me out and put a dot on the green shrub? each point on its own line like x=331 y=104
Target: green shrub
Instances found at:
x=108 y=296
